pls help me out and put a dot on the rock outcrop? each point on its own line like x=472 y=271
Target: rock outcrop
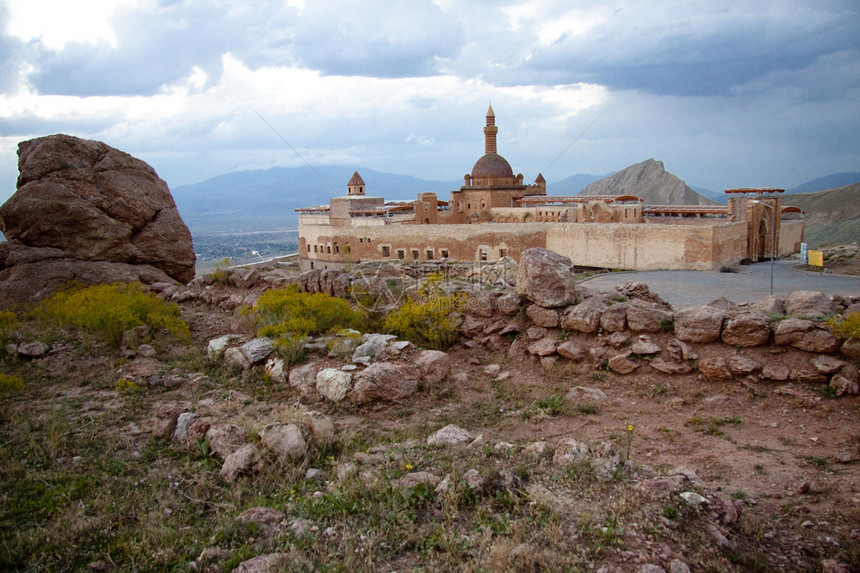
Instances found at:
x=86 y=211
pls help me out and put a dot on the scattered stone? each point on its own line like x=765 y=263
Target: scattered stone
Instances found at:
x=217 y=346
x=715 y=369
x=370 y=345
x=678 y=566
x=543 y=347
x=450 y=435
x=537 y=450
x=385 y=381
x=224 y=439
x=777 y=371
x=434 y=365
x=572 y=350
x=694 y=499
x=322 y=428
x=234 y=357
x=271 y=563
x=617 y=339
x=285 y=440
x=622 y=364
x=569 y=451
x=333 y=383
x=262 y=516
x=742 y=366
x=680 y=350
x=240 y=461
x=257 y=350
x=828 y=365
x=35 y=349
x=413 y=479
x=183 y=422
x=670 y=366
x=844 y=385
x=583 y=395
x=644 y=346
x=304 y=378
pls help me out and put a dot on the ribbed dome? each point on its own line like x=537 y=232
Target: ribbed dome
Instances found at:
x=492 y=165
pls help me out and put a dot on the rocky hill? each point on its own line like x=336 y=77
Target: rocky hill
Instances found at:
x=649 y=181
x=832 y=216
x=565 y=429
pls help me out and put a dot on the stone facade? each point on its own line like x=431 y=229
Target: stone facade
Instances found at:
x=494 y=215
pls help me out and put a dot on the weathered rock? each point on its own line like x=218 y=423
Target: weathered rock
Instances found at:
x=183 y=422
x=742 y=366
x=722 y=303
x=617 y=339
x=269 y=563
x=680 y=350
x=233 y=357
x=537 y=450
x=224 y=439
x=540 y=316
x=584 y=317
x=777 y=371
x=583 y=395
x=715 y=369
x=647 y=319
x=808 y=303
x=216 y=347
x=321 y=427
x=333 y=383
x=546 y=278
x=851 y=348
x=622 y=364
x=844 y=385
x=573 y=350
x=747 y=329
x=413 y=479
x=828 y=365
x=806 y=335
x=240 y=461
x=644 y=346
x=509 y=303
x=670 y=366
x=569 y=451
x=257 y=350
x=614 y=318
x=480 y=303
x=450 y=435
x=543 y=347
x=95 y=203
x=304 y=378
x=277 y=369
x=265 y=516
x=770 y=305
x=370 y=345
x=285 y=440
x=385 y=381
x=434 y=365
x=699 y=323
x=33 y=349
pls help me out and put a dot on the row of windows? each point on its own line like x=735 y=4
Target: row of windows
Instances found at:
x=327 y=249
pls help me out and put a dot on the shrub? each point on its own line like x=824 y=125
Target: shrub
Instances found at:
x=10 y=383
x=428 y=319
x=110 y=310
x=8 y=323
x=287 y=311
x=846 y=328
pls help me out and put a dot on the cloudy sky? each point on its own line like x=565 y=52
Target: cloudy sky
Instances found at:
x=725 y=93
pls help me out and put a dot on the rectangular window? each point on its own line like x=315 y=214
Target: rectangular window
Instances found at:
x=483 y=254
x=309 y=248
x=386 y=251
x=315 y=249
x=415 y=254
x=444 y=253
x=401 y=254
x=429 y=254
x=502 y=253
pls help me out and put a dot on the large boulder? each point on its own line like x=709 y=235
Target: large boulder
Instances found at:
x=81 y=202
x=546 y=278
x=385 y=381
x=747 y=329
x=584 y=317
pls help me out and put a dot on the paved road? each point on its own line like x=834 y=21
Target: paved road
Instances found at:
x=750 y=284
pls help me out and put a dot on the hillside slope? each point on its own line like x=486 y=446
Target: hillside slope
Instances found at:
x=649 y=181
x=832 y=216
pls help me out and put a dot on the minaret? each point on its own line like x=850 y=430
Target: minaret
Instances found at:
x=490 y=132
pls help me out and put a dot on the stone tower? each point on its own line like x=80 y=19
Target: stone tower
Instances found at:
x=355 y=187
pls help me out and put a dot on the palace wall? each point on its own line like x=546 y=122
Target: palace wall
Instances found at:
x=790 y=236
x=649 y=246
